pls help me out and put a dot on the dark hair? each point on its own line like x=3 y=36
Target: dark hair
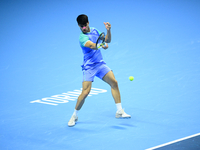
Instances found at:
x=82 y=19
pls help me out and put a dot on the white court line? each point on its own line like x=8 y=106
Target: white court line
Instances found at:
x=162 y=145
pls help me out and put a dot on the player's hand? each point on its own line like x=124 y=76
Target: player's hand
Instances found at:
x=107 y=25
x=105 y=46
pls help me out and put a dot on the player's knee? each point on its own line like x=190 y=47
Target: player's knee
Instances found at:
x=85 y=93
x=114 y=84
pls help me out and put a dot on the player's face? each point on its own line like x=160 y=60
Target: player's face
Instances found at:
x=85 y=28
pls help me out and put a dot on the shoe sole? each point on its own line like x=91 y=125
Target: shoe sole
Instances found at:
x=120 y=117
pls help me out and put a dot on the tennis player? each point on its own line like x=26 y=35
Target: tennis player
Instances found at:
x=94 y=65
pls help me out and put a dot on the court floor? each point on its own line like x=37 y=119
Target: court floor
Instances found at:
x=157 y=42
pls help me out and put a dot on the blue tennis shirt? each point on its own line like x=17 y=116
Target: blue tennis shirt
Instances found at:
x=91 y=57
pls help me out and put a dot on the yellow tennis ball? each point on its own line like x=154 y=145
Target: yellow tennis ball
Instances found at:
x=131 y=78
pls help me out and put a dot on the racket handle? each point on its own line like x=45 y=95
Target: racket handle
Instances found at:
x=100 y=45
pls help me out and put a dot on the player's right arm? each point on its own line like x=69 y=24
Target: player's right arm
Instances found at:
x=91 y=45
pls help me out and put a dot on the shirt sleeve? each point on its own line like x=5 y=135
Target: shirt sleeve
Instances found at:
x=83 y=39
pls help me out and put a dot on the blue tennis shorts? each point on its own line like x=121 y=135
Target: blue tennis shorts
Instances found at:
x=100 y=71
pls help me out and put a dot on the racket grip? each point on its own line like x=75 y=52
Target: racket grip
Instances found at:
x=98 y=46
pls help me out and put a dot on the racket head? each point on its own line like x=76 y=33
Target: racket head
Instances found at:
x=100 y=40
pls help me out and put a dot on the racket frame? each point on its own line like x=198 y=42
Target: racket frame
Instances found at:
x=103 y=41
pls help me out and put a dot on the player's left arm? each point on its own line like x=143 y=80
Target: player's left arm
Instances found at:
x=108 y=35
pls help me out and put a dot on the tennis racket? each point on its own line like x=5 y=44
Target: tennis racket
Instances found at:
x=101 y=40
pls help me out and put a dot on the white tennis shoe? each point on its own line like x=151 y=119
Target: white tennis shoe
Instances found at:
x=119 y=114
x=122 y=114
x=72 y=121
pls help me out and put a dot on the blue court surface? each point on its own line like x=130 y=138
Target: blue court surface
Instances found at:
x=157 y=42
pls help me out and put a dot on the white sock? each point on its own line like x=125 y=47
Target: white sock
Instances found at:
x=119 y=106
x=75 y=112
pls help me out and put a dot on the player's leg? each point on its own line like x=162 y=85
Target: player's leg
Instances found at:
x=110 y=79
x=86 y=87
